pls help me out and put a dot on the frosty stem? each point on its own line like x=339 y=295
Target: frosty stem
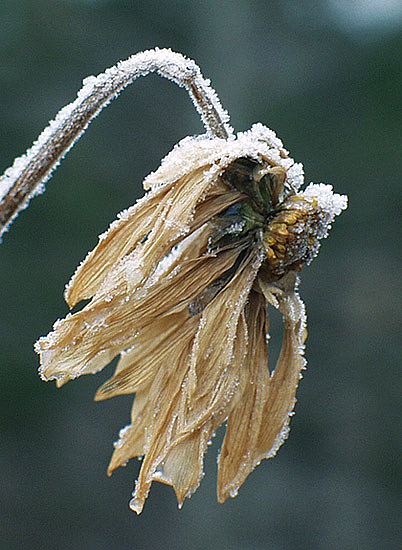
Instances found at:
x=26 y=177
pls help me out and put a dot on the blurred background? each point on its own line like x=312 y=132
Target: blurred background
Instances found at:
x=326 y=76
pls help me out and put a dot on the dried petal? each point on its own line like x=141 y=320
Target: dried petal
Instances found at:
x=179 y=287
x=240 y=453
x=285 y=378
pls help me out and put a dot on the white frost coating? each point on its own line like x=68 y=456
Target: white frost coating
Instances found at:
x=328 y=201
x=192 y=153
x=123 y=433
x=329 y=205
x=173 y=257
x=122 y=218
x=35 y=167
x=279 y=439
x=295 y=176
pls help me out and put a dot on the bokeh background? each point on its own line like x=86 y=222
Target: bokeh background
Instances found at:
x=326 y=76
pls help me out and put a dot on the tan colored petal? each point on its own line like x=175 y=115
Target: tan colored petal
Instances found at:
x=132 y=438
x=181 y=468
x=164 y=398
x=162 y=217
x=213 y=344
x=123 y=235
x=259 y=424
x=179 y=433
x=205 y=396
x=182 y=431
x=287 y=373
x=88 y=340
x=239 y=453
x=157 y=345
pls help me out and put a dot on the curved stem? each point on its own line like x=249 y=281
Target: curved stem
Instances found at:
x=29 y=172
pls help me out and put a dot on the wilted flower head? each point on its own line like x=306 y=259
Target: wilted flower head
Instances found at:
x=178 y=289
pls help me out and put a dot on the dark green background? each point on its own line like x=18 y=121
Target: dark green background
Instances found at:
x=329 y=85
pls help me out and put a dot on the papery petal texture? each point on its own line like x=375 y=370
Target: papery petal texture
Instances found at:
x=179 y=288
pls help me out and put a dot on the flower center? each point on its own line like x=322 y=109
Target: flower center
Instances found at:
x=285 y=223
x=290 y=237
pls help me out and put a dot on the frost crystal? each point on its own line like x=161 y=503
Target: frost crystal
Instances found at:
x=29 y=172
x=329 y=202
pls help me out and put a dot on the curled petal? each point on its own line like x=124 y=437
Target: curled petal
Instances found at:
x=285 y=378
x=259 y=423
x=123 y=235
x=157 y=344
x=161 y=219
x=132 y=438
x=200 y=400
x=240 y=453
x=182 y=429
x=88 y=340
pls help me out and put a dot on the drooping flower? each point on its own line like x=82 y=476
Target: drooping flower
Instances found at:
x=178 y=287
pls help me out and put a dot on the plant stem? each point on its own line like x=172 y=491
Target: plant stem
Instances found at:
x=29 y=172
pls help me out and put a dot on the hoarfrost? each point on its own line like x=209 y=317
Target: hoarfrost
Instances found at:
x=173 y=258
x=279 y=439
x=193 y=153
x=329 y=202
x=30 y=171
x=122 y=436
x=295 y=176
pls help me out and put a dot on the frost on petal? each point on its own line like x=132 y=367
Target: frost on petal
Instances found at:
x=259 y=423
x=193 y=153
x=329 y=204
x=324 y=205
x=154 y=398
x=123 y=235
x=285 y=378
x=240 y=453
x=295 y=176
x=153 y=345
x=159 y=219
x=203 y=394
x=213 y=343
x=185 y=425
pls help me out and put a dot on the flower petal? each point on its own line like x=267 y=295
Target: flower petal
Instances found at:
x=86 y=341
x=239 y=453
x=213 y=344
x=161 y=218
x=123 y=235
x=182 y=430
x=259 y=424
x=132 y=438
x=157 y=345
x=204 y=393
x=287 y=373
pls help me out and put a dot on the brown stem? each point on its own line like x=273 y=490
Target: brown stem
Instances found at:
x=26 y=177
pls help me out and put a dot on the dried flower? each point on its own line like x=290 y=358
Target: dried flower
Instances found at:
x=178 y=287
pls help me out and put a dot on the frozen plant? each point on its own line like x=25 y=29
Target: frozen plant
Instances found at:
x=179 y=286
